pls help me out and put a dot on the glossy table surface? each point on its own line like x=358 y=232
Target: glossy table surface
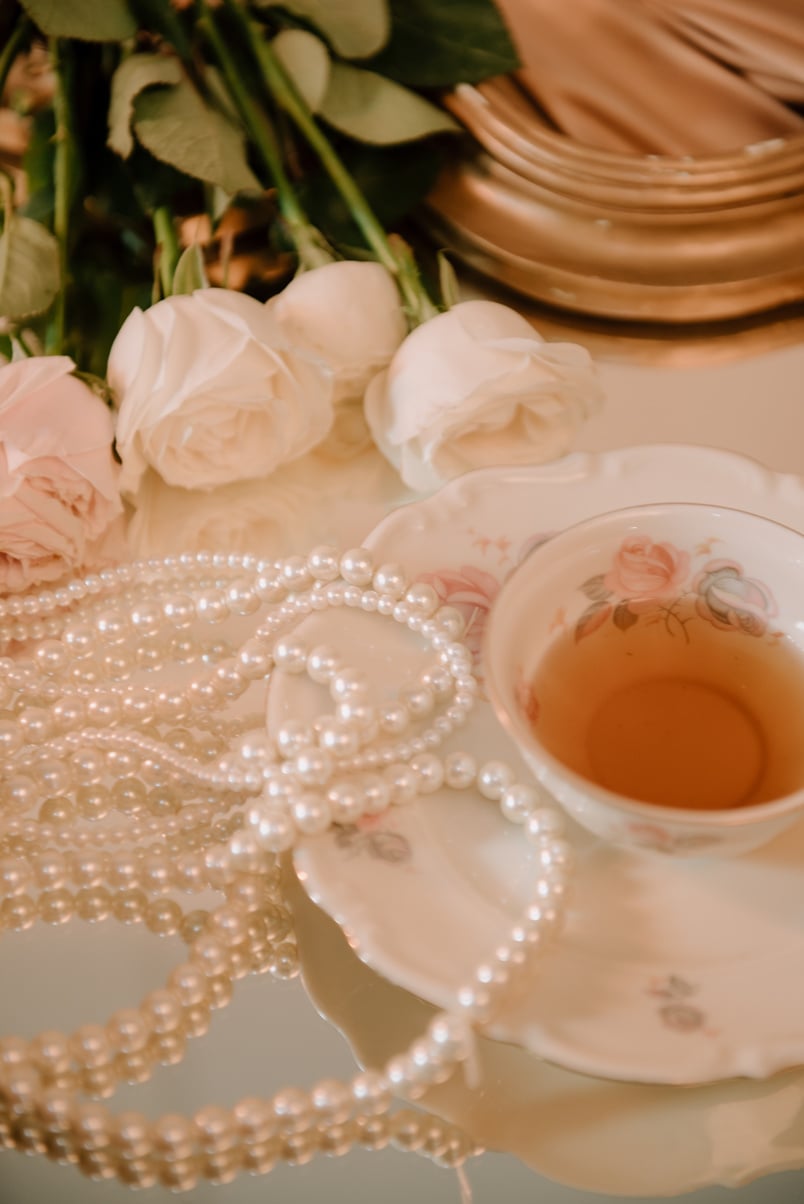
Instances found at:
x=743 y=392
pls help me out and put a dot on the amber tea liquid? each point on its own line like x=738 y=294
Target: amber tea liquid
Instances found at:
x=708 y=722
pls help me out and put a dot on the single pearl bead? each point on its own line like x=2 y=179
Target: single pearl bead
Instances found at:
x=348 y=683
x=21 y=792
x=292 y=736
x=419 y=701
x=393 y=718
x=52 y=656
x=359 y=715
x=211 y=606
x=269 y=587
x=112 y=626
x=322 y=664
x=544 y=821
x=347 y=802
x=517 y=802
x=332 y=1101
x=401 y=612
x=295 y=573
x=241 y=598
x=389 y=579
x=146 y=618
x=255 y=659
x=356 y=566
x=554 y=853
x=403 y=783
x=430 y=771
x=422 y=599
x=291 y=655
x=323 y=563
x=312 y=813
x=371 y=1091
x=450 y=620
x=452 y=1035
x=275 y=830
x=493 y=778
x=376 y=794
x=36 y=724
x=313 y=767
x=339 y=739
x=11 y=737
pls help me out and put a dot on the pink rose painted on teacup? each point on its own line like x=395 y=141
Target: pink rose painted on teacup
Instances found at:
x=472 y=592
x=644 y=569
x=731 y=601
x=58 y=478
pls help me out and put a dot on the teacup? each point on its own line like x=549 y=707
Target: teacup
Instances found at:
x=649 y=664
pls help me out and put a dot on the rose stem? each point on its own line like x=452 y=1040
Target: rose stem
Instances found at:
x=310 y=245
x=168 y=247
x=391 y=252
x=14 y=43
x=64 y=170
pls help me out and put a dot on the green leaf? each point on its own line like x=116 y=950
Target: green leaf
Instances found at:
x=189 y=274
x=447 y=281
x=373 y=109
x=88 y=20
x=440 y=45
x=176 y=126
x=355 y=29
x=306 y=60
x=37 y=163
x=29 y=268
x=133 y=76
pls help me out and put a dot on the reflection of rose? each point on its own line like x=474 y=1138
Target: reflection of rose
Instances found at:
x=733 y=602
x=477 y=386
x=261 y=517
x=470 y=591
x=643 y=569
x=209 y=392
x=58 y=479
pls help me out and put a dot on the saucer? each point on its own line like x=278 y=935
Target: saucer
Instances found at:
x=585 y=1133
x=667 y=972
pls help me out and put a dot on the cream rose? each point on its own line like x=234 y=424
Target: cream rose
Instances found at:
x=478 y=386
x=209 y=391
x=59 y=492
x=349 y=315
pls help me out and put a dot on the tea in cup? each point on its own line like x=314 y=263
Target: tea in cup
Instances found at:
x=649 y=664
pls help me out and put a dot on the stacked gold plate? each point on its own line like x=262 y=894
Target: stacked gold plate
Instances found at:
x=645 y=238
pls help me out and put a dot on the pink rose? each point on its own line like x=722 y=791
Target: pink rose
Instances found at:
x=643 y=569
x=731 y=601
x=471 y=591
x=58 y=478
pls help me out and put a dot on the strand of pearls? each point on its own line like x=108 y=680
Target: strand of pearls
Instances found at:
x=158 y=789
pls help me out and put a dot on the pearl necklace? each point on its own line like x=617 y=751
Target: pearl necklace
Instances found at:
x=158 y=789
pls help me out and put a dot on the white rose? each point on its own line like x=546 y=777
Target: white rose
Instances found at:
x=477 y=386
x=349 y=315
x=209 y=391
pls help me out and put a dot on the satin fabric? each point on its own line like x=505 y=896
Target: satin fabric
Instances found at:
x=670 y=77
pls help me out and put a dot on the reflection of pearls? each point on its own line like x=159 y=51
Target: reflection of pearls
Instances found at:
x=201 y=800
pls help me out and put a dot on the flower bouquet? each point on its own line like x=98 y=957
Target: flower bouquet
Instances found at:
x=198 y=287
